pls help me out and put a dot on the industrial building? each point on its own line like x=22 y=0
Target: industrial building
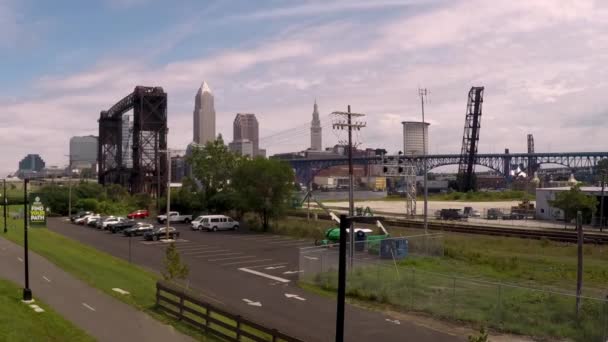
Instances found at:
x=544 y=211
x=83 y=152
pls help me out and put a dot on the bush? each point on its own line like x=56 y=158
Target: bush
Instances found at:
x=87 y=204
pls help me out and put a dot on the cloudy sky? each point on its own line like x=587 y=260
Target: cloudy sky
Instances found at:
x=543 y=64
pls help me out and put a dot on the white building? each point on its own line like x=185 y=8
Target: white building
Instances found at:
x=544 y=211
x=415 y=138
x=204 y=115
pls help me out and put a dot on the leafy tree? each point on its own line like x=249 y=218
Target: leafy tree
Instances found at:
x=574 y=200
x=88 y=190
x=264 y=186
x=89 y=204
x=213 y=167
x=115 y=192
x=174 y=267
x=56 y=197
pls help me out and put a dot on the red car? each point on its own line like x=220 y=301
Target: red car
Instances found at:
x=138 y=214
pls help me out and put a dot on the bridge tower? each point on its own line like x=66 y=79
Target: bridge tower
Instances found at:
x=470 y=140
x=531 y=161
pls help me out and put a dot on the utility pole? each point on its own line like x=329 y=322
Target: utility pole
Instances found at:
x=350 y=125
x=5 y=204
x=579 y=268
x=601 y=201
x=423 y=93
x=168 y=190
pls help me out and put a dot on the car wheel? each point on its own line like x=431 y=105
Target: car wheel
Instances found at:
x=235 y=227
x=156 y=237
x=186 y=221
x=214 y=229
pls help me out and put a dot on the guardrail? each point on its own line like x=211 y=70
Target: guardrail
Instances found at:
x=194 y=311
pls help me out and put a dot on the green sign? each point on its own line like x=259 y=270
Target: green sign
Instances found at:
x=37 y=211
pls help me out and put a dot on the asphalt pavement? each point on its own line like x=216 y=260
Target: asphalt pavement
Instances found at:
x=255 y=275
x=102 y=316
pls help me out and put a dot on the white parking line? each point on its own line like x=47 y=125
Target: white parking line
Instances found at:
x=190 y=249
x=270 y=265
x=261 y=274
x=233 y=258
x=88 y=306
x=204 y=252
x=245 y=262
x=20 y=260
x=226 y=254
x=47 y=279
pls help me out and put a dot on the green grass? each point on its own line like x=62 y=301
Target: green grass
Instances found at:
x=99 y=270
x=463 y=284
x=19 y=322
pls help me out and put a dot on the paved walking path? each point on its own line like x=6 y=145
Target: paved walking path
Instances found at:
x=102 y=316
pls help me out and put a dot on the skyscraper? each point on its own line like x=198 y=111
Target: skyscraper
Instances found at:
x=204 y=115
x=246 y=127
x=83 y=152
x=316 y=143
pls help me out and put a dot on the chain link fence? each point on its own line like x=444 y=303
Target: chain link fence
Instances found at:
x=378 y=276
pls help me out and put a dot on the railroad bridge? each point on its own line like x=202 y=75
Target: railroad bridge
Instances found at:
x=503 y=163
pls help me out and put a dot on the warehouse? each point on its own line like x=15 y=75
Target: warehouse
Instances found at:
x=544 y=211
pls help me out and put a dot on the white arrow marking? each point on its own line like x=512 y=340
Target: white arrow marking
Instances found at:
x=47 y=279
x=289 y=295
x=393 y=321
x=273 y=267
x=252 y=303
x=292 y=272
x=19 y=259
x=121 y=291
x=88 y=306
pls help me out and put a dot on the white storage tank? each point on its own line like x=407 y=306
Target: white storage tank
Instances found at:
x=414 y=135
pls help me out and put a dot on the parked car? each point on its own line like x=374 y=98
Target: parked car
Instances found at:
x=120 y=226
x=99 y=223
x=140 y=228
x=214 y=223
x=92 y=220
x=82 y=220
x=138 y=214
x=160 y=232
x=79 y=215
x=174 y=216
x=105 y=224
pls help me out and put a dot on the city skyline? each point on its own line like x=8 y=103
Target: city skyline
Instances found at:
x=309 y=51
x=204 y=115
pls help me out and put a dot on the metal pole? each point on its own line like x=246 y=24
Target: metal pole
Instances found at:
x=344 y=223
x=601 y=202
x=5 y=204
x=351 y=194
x=579 y=268
x=129 y=248
x=424 y=152
x=168 y=191
x=70 y=197
x=27 y=293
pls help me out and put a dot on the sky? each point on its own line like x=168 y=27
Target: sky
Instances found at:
x=542 y=63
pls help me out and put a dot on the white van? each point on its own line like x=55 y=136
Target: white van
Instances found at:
x=214 y=223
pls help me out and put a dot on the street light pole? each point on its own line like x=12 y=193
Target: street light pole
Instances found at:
x=423 y=93
x=168 y=190
x=27 y=293
x=70 y=197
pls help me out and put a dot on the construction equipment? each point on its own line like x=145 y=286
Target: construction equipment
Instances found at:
x=332 y=235
x=524 y=209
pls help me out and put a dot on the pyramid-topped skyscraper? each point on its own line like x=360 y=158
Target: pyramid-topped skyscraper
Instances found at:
x=204 y=115
x=316 y=130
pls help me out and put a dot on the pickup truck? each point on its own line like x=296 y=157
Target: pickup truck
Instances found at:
x=174 y=216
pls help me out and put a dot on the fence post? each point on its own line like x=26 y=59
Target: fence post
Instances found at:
x=274 y=335
x=157 y=293
x=208 y=314
x=181 y=308
x=605 y=319
x=413 y=285
x=238 y=328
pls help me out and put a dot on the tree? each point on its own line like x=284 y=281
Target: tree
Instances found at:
x=264 y=186
x=213 y=167
x=574 y=200
x=602 y=168
x=174 y=267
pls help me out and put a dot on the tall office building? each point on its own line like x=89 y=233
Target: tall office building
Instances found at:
x=83 y=152
x=204 y=115
x=30 y=166
x=246 y=127
x=316 y=143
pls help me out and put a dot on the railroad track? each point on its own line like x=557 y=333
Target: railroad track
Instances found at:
x=459 y=227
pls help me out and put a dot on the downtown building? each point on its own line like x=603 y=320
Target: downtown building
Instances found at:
x=30 y=166
x=83 y=152
x=204 y=116
x=246 y=136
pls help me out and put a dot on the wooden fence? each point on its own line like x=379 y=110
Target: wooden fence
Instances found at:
x=194 y=311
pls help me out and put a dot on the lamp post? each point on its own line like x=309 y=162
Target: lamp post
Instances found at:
x=27 y=293
x=168 y=152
